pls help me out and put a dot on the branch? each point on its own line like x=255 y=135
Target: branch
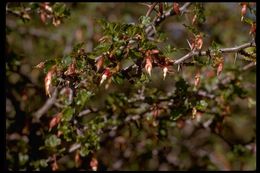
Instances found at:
x=149 y=30
x=209 y=52
x=151 y=7
x=48 y=104
x=249 y=66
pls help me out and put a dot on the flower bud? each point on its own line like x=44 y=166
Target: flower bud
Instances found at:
x=176 y=8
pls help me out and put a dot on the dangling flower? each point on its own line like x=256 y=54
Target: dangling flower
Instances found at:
x=94 y=164
x=243 y=10
x=176 y=8
x=165 y=70
x=148 y=65
x=99 y=62
x=55 y=120
x=48 y=80
x=197 y=79
x=194 y=112
x=105 y=75
x=220 y=68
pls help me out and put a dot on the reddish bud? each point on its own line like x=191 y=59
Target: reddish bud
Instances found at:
x=197 y=79
x=77 y=159
x=54 y=121
x=220 y=68
x=56 y=22
x=59 y=133
x=43 y=17
x=105 y=75
x=243 y=10
x=194 y=112
x=176 y=8
x=94 y=164
x=198 y=42
x=47 y=7
x=160 y=9
x=40 y=65
x=180 y=123
x=148 y=65
x=165 y=70
x=48 y=79
x=71 y=69
x=154 y=51
x=54 y=166
x=253 y=29
x=100 y=62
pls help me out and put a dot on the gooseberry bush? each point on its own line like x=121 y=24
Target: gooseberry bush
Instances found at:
x=135 y=101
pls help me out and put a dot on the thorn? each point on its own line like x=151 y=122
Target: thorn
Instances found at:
x=189 y=44
x=235 y=58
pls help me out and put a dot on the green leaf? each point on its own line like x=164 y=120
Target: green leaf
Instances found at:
x=48 y=64
x=52 y=141
x=248 y=21
x=145 y=20
x=77 y=47
x=23 y=158
x=83 y=96
x=68 y=114
x=202 y=105
x=118 y=79
x=84 y=151
x=199 y=11
x=181 y=87
x=66 y=61
x=61 y=10
x=192 y=29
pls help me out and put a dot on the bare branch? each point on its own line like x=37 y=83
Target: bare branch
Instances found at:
x=249 y=66
x=151 y=7
x=48 y=104
x=223 y=50
x=159 y=19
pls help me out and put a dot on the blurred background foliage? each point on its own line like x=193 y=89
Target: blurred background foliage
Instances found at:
x=221 y=137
